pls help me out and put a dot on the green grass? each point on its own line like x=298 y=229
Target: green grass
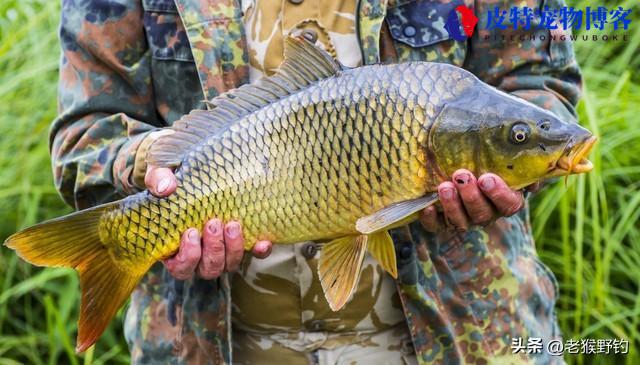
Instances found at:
x=587 y=232
x=38 y=308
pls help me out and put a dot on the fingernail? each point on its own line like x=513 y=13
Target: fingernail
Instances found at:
x=488 y=183
x=163 y=185
x=214 y=227
x=233 y=230
x=194 y=236
x=261 y=246
x=447 y=193
x=463 y=178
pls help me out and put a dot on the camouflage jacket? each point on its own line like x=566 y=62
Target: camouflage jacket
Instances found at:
x=131 y=66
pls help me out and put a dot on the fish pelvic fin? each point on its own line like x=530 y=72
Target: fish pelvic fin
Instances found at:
x=339 y=268
x=382 y=249
x=74 y=241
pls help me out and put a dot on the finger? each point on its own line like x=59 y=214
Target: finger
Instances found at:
x=477 y=206
x=507 y=201
x=431 y=220
x=160 y=181
x=183 y=264
x=535 y=187
x=234 y=244
x=452 y=205
x=262 y=249
x=212 y=262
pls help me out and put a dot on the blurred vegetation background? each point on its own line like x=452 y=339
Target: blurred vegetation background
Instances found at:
x=588 y=232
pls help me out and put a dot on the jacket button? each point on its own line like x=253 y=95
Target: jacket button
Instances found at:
x=317 y=325
x=310 y=35
x=409 y=31
x=309 y=250
x=295 y=2
x=405 y=251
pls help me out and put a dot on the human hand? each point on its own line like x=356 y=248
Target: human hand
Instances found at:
x=210 y=253
x=468 y=201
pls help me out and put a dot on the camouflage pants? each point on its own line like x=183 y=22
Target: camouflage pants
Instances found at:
x=293 y=323
x=391 y=346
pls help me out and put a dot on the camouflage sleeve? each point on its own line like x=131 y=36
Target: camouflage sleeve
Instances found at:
x=106 y=105
x=526 y=62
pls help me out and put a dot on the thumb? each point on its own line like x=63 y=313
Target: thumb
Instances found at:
x=160 y=181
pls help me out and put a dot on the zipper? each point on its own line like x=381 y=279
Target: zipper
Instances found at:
x=359 y=39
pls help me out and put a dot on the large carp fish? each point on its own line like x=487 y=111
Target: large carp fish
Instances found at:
x=315 y=152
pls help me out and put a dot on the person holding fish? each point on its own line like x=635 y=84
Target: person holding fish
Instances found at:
x=424 y=253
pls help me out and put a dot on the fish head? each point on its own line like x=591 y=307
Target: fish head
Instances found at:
x=487 y=130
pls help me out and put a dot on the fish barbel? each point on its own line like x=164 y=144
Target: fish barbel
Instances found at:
x=314 y=152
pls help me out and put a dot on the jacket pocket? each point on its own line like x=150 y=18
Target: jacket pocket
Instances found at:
x=165 y=32
x=173 y=70
x=418 y=30
x=560 y=47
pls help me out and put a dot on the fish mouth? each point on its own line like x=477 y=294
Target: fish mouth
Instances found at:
x=574 y=160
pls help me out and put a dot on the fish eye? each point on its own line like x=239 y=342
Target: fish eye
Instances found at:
x=544 y=124
x=519 y=133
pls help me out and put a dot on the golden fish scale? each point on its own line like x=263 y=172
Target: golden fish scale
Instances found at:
x=303 y=168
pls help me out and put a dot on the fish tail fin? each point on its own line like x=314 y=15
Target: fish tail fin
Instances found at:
x=105 y=287
x=66 y=241
x=74 y=241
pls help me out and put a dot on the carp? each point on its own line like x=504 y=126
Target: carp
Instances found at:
x=315 y=152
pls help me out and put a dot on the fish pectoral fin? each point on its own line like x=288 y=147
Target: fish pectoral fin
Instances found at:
x=381 y=248
x=339 y=268
x=74 y=241
x=394 y=213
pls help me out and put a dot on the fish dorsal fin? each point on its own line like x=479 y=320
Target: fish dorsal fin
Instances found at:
x=304 y=64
